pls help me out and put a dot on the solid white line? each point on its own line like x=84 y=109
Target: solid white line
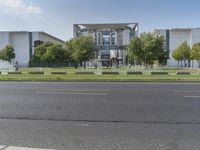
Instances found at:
x=2 y=147
x=20 y=148
x=64 y=90
x=72 y=93
x=187 y=91
x=192 y=96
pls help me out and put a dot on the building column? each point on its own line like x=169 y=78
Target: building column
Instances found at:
x=110 y=38
x=30 y=45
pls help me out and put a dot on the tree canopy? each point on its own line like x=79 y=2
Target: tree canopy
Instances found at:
x=76 y=50
x=7 y=53
x=80 y=49
x=182 y=52
x=147 y=48
x=195 y=52
x=47 y=52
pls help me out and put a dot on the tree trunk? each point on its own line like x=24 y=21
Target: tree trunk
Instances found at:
x=181 y=64
x=199 y=63
x=84 y=65
x=188 y=63
x=185 y=64
x=192 y=63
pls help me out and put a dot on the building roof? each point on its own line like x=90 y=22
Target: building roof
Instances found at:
x=107 y=26
x=51 y=36
x=42 y=32
x=175 y=29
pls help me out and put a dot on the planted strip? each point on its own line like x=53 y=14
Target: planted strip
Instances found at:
x=135 y=72
x=183 y=73
x=36 y=72
x=109 y=72
x=59 y=73
x=159 y=73
x=84 y=72
x=14 y=72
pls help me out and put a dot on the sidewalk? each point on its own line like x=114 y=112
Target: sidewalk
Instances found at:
x=19 y=148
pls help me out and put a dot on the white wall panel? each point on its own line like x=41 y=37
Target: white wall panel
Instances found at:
x=4 y=39
x=46 y=37
x=195 y=36
x=20 y=42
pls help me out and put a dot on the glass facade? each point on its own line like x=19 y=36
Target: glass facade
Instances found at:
x=110 y=39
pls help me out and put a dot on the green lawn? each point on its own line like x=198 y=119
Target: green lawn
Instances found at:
x=71 y=76
x=146 y=71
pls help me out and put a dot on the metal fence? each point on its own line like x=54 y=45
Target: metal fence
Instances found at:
x=5 y=65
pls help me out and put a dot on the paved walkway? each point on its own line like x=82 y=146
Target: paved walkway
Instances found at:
x=18 y=148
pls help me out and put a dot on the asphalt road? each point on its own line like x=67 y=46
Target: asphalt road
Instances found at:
x=100 y=116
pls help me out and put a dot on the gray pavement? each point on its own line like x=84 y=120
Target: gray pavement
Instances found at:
x=96 y=116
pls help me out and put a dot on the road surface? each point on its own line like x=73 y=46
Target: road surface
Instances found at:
x=100 y=116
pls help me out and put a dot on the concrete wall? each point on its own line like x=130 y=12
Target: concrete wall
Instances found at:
x=178 y=36
x=4 y=39
x=45 y=37
x=195 y=36
x=21 y=43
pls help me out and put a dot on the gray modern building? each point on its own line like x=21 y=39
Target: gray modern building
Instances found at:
x=23 y=43
x=174 y=37
x=111 y=39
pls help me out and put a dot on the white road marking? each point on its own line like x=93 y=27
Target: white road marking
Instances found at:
x=187 y=91
x=2 y=147
x=73 y=93
x=19 y=148
x=75 y=90
x=83 y=125
x=192 y=96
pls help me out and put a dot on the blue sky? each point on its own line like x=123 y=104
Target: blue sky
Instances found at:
x=58 y=16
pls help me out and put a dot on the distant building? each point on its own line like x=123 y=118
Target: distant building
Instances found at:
x=23 y=43
x=111 y=39
x=174 y=37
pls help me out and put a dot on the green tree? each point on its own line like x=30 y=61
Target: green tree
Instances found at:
x=182 y=53
x=147 y=48
x=68 y=51
x=40 y=51
x=135 y=53
x=37 y=42
x=48 y=52
x=82 y=49
x=7 y=53
x=176 y=54
x=54 y=54
x=195 y=53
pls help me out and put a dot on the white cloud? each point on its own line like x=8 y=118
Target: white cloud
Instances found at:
x=19 y=8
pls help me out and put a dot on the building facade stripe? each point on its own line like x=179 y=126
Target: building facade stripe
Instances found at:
x=30 y=45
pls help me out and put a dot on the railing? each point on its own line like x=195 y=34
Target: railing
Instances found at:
x=5 y=65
